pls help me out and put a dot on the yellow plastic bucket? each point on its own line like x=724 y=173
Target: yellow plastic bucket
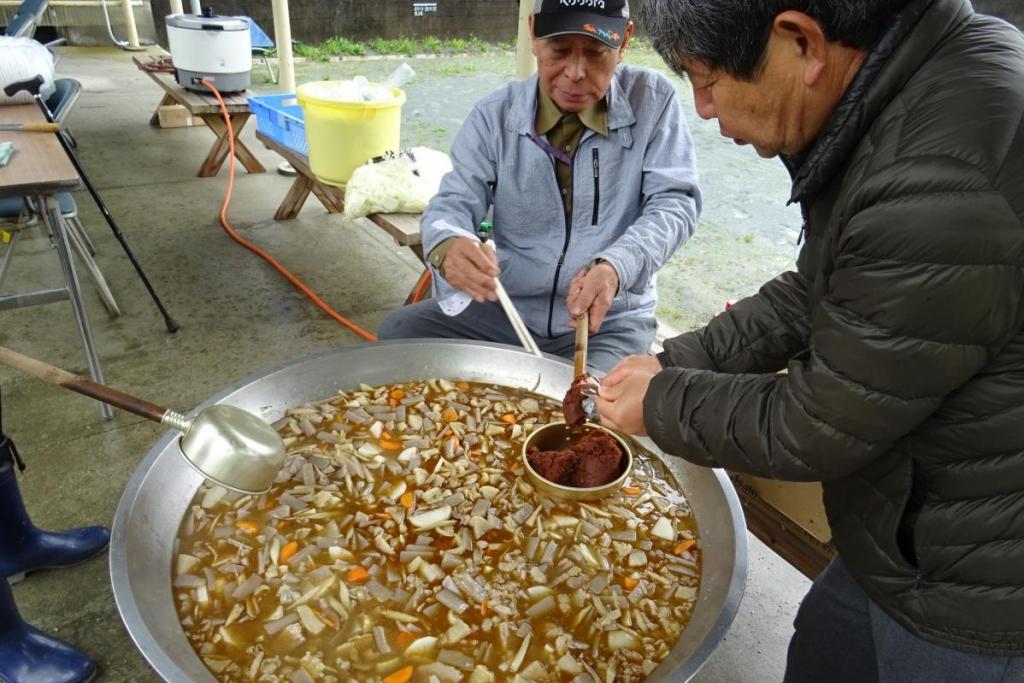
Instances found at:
x=343 y=136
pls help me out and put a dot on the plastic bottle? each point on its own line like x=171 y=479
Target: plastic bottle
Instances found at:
x=400 y=76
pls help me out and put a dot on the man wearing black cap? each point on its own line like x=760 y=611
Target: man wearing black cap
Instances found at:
x=588 y=167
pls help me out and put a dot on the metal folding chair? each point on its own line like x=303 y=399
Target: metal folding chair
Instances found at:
x=21 y=26
x=26 y=18
x=61 y=102
x=262 y=45
x=20 y=213
x=36 y=7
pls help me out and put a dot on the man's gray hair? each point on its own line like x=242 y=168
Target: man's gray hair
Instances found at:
x=731 y=35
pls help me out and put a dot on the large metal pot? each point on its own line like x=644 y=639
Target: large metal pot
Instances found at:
x=158 y=494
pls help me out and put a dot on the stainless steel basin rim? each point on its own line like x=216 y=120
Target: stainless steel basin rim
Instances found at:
x=163 y=485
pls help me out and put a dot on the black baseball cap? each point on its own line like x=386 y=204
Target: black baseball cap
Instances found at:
x=605 y=20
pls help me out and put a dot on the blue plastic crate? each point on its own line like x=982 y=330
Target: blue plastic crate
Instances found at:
x=280 y=118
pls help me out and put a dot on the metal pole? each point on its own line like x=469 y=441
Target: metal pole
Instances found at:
x=67 y=262
x=169 y=322
x=283 y=38
x=176 y=7
x=129 y=20
x=526 y=63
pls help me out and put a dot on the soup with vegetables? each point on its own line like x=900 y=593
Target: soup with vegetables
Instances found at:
x=401 y=542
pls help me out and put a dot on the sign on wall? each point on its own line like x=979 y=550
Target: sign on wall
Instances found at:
x=420 y=9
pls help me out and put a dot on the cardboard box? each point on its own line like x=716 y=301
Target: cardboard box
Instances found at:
x=174 y=116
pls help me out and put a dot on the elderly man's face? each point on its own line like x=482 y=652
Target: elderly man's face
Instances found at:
x=763 y=113
x=784 y=109
x=574 y=70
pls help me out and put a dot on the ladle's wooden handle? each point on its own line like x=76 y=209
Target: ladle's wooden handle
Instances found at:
x=582 y=335
x=37 y=127
x=63 y=378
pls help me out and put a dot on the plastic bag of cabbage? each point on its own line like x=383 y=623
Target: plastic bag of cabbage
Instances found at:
x=402 y=184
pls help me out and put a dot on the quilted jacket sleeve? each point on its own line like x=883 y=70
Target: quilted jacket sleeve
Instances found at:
x=927 y=285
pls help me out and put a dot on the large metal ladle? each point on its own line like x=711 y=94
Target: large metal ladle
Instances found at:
x=226 y=444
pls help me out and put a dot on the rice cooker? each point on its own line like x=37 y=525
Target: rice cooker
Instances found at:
x=207 y=46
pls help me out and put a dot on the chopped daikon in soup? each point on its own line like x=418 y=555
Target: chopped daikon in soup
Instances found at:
x=402 y=542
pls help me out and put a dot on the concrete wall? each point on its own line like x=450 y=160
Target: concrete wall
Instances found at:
x=1011 y=10
x=316 y=20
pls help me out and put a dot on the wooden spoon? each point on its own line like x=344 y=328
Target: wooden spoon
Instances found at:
x=572 y=404
x=582 y=337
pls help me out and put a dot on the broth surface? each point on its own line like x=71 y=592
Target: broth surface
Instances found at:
x=402 y=542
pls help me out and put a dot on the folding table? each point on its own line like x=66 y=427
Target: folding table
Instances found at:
x=41 y=169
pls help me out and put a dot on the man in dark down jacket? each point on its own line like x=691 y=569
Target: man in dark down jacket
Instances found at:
x=902 y=329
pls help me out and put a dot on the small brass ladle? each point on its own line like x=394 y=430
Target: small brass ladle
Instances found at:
x=578 y=404
x=228 y=445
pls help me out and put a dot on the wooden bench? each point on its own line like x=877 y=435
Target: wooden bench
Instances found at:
x=403 y=227
x=206 y=108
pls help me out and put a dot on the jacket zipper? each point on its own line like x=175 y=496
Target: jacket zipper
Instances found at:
x=565 y=245
x=568 y=221
x=597 y=187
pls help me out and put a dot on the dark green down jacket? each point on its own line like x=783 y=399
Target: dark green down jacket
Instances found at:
x=903 y=333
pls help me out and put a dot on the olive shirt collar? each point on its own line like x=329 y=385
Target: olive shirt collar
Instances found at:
x=594 y=117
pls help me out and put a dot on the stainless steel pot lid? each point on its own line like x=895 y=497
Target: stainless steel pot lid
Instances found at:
x=198 y=22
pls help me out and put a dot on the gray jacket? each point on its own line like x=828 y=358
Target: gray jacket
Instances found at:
x=646 y=185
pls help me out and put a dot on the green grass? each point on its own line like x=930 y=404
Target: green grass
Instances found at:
x=407 y=47
x=640 y=43
x=399 y=46
x=343 y=46
x=456 y=44
x=639 y=49
x=477 y=45
x=456 y=69
x=311 y=52
x=432 y=45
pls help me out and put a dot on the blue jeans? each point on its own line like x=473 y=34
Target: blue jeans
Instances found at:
x=843 y=637
x=486 y=321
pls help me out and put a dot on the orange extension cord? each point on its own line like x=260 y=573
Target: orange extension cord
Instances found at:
x=299 y=284
x=422 y=285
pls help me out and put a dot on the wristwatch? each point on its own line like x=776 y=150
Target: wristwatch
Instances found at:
x=437 y=254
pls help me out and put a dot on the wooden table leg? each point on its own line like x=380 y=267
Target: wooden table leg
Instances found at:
x=154 y=120
x=215 y=159
x=293 y=201
x=249 y=161
x=332 y=198
x=219 y=151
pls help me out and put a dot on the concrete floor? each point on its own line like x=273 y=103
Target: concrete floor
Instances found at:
x=237 y=317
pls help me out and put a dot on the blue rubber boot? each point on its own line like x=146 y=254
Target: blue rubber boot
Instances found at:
x=25 y=548
x=28 y=655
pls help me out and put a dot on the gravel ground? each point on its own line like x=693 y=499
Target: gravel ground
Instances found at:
x=746 y=234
